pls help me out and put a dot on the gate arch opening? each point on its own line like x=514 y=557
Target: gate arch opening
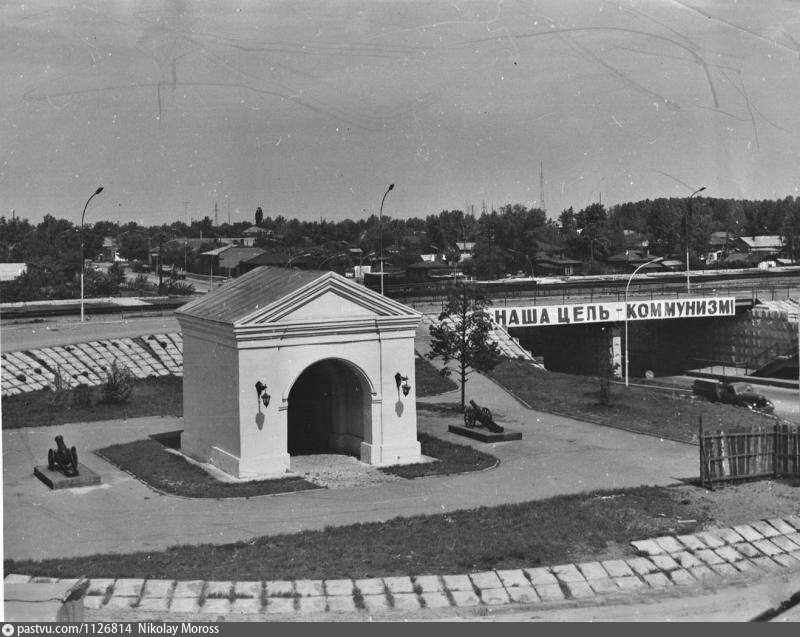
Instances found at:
x=329 y=410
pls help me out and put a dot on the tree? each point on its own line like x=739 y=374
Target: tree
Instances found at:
x=462 y=334
x=259 y=216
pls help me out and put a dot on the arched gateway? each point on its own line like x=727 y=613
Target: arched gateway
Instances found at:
x=281 y=362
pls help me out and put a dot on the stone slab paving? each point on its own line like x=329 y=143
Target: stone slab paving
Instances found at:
x=759 y=548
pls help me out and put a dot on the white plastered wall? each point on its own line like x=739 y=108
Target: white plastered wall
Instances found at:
x=226 y=424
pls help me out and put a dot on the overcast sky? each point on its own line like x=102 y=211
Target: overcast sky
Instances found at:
x=310 y=109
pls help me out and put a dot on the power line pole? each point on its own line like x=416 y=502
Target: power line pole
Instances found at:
x=186 y=233
x=541 y=185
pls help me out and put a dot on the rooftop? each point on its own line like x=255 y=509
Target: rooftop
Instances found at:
x=242 y=296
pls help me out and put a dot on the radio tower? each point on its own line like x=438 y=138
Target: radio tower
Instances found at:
x=541 y=185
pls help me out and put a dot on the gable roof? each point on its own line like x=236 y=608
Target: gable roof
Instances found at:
x=763 y=242
x=232 y=257
x=268 y=294
x=242 y=296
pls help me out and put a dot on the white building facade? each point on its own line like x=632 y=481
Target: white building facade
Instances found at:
x=288 y=362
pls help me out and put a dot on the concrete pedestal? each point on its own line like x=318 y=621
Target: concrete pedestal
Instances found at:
x=484 y=435
x=57 y=480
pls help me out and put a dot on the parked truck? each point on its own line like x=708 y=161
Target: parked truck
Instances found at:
x=739 y=393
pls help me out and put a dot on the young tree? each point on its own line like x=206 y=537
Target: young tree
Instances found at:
x=259 y=216
x=462 y=334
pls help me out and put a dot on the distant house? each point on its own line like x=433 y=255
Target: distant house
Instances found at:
x=109 y=252
x=254 y=231
x=227 y=261
x=550 y=261
x=426 y=271
x=635 y=239
x=743 y=259
x=464 y=249
x=720 y=240
x=276 y=257
x=10 y=271
x=763 y=244
x=556 y=265
x=627 y=261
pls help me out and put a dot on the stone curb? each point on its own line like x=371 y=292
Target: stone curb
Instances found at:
x=664 y=563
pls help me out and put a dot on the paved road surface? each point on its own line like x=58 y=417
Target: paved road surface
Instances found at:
x=65 y=330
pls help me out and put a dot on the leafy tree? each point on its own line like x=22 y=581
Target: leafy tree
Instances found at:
x=462 y=334
x=259 y=216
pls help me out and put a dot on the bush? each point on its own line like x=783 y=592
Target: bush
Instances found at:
x=141 y=284
x=178 y=288
x=119 y=384
x=61 y=397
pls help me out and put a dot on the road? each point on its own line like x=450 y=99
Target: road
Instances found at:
x=786 y=401
x=64 y=330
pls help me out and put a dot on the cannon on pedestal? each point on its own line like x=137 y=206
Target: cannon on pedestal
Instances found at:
x=477 y=416
x=63 y=459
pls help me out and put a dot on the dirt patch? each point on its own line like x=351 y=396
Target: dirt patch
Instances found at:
x=732 y=504
x=726 y=506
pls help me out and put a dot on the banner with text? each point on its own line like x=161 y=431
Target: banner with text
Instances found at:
x=579 y=313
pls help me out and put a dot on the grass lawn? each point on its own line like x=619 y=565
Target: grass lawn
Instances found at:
x=554 y=531
x=151 y=462
x=162 y=396
x=151 y=397
x=451 y=458
x=429 y=381
x=672 y=415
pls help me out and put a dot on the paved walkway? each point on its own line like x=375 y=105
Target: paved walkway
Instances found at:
x=556 y=456
x=669 y=564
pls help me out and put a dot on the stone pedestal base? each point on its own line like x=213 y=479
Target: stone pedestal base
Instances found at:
x=57 y=480
x=484 y=435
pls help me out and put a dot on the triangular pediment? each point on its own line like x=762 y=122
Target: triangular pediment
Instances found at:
x=331 y=297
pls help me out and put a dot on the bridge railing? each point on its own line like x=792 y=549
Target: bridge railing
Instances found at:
x=548 y=294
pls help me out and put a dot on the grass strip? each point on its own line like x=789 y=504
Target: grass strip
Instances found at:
x=558 y=530
x=669 y=414
x=450 y=458
x=149 y=461
x=155 y=396
x=429 y=381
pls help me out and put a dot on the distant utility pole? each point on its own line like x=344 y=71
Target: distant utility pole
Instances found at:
x=541 y=185
x=186 y=233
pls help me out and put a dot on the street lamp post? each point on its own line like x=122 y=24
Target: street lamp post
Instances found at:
x=630 y=278
x=83 y=214
x=688 y=214
x=380 y=232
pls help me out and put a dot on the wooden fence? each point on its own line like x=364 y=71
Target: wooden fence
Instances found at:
x=744 y=454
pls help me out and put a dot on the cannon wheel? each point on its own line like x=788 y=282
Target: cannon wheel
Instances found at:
x=486 y=415
x=50 y=460
x=469 y=418
x=74 y=454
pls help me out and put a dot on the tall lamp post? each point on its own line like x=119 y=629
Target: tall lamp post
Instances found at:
x=689 y=214
x=380 y=232
x=630 y=278
x=83 y=214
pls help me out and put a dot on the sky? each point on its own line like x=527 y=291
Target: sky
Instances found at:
x=310 y=109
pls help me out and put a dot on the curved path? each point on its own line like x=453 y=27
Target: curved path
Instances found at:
x=556 y=455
